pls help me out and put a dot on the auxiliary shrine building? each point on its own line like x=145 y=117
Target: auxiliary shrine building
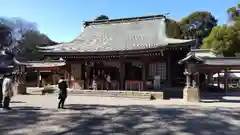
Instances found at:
x=135 y=52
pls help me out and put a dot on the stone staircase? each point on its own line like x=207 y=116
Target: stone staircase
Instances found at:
x=114 y=93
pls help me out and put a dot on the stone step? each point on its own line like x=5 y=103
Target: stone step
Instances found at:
x=127 y=94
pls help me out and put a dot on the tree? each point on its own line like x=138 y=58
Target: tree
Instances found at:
x=224 y=39
x=21 y=37
x=13 y=29
x=28 y=45
x=198 y=25
x=5 y=36
x=101 y=17
x=233 y=15
x=173 y=29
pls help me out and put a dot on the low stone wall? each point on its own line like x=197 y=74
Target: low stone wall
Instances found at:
x=105 y=93
x=127 y=94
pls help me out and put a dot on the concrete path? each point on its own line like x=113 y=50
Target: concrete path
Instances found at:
x=88 y=115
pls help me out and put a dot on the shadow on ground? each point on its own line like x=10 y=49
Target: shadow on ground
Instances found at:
x=79 y=119
x=221 y=97
x=18 y=118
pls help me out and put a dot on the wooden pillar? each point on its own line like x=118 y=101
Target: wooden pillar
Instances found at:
x=211 y=79
x=87 y=75
x=38 y=78
x=53 y=77
x=65 y=73
x=198 y=80
x=218 y=80
x=69 y=76
x=206 y=81
x=225 y=80
x=122 y=74
x=169 y=75
x=144 y=75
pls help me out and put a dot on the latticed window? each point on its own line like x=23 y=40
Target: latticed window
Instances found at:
x=158 y=69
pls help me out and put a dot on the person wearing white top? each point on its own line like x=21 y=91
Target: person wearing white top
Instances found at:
x=7 y=90
x=108 y=79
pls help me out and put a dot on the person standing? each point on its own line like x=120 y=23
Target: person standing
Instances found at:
x=7 y=90
x=108 y=79
x=94 y=82
x=62 y=85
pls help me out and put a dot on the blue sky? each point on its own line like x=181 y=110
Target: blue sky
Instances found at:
x=62 y=20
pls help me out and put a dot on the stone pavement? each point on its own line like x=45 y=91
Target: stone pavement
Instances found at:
x=88 y=115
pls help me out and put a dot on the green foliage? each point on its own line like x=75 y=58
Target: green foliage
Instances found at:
x=224 y=40
x=233 y=12
x=232 y=9
x=28 y=45
x=101 y=17
x=173 y=29
x=198 y=25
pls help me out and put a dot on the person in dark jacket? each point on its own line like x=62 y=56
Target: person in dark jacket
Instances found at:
x=62 y=85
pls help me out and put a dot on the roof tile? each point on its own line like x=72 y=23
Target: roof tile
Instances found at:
x=119 y=36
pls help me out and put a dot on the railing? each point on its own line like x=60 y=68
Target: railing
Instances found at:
x=133 y=85
x=115 y=85
x=101 y=85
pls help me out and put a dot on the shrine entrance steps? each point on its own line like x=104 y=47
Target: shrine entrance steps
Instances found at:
x=120 y=93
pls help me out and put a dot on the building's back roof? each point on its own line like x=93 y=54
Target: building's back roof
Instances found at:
x=210 y=60
x=120 y=35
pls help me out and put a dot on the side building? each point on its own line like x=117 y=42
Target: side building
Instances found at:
x=135 y=52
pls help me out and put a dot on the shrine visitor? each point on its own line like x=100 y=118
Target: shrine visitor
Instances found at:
x=7 y=90
x=62 y=85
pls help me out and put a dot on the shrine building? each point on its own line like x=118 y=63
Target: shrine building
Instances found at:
x=135 y=52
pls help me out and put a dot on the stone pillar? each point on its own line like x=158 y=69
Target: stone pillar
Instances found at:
x=190 y=94
x=19 y=83
x=194 y=80
x=21 y=87
x=188 y=78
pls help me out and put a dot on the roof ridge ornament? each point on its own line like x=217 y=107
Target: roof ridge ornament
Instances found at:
x=129 y=19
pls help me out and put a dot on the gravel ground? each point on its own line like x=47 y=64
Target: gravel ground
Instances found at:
x=37 y=115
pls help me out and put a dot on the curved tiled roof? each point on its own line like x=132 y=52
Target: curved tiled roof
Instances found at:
x=209 y=59
x=115 y=35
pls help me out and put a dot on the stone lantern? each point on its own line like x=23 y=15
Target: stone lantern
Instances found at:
x=191 y=91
